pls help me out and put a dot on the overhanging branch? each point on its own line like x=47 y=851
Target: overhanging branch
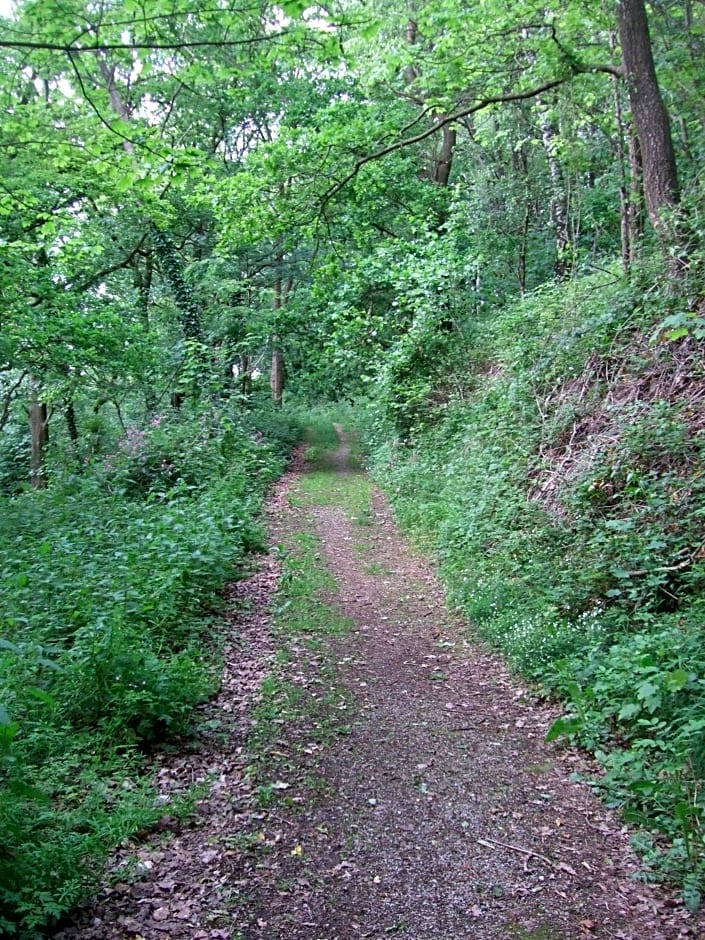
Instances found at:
x=73 y=49
x=5 y=413
x=98 y=276
x=459 y=115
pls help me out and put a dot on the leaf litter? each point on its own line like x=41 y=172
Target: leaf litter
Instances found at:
x=438 y=812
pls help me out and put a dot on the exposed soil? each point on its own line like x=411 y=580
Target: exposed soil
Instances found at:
x=440 y=815
x=608 y=395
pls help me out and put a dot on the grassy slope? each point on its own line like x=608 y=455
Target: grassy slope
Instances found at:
x=563 y=497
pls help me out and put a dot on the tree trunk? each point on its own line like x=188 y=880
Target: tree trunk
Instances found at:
x=39 y=431
x=143 y=283
x=625 y=230
x=172 y=271
x=443 y=162
x=277 y=373
x=523 y=249
x=71 y=422
x=559 y=199
x=439 y=171
x=245 y=375
x=636 y=195
x=162 y=242
x=650 y=115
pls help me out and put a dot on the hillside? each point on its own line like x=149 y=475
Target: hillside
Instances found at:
x=562 y=494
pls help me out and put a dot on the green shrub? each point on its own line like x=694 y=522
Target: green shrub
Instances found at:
x=109 y=580
x=57 y=830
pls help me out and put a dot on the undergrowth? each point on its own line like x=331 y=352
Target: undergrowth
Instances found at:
x=109 y=583
x=562 y=493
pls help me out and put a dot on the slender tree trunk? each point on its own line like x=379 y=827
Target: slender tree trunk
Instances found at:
x=649 y=112
x=559 y=199
x=523 y=249
x=443 y=163
x=520 y=170
x=411 y=73
x=624 y=202
x=636 y=195
x=277 y=374
x=172 y=270
x=163 y=243
x=440 y=169
x=71 y=422
x=245 y=375
x=143 y=283
x=39 y=435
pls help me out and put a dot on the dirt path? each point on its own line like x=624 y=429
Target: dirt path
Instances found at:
x=440 y=814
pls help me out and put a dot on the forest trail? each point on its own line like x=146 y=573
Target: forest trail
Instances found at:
x=402 y=788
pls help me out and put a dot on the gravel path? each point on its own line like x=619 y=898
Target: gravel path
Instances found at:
x=440 y=815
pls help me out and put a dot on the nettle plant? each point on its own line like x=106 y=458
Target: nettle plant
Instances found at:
x=166 y=456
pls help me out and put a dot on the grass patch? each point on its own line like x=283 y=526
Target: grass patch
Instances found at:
x=302 y=703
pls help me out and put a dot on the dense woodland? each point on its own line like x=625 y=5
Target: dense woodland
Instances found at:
x=481 y=224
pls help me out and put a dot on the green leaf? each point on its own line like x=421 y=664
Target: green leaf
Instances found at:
x=692 y=897
x=676 y=334
x=27 y=792
x=371 y=30
x=619 y=525
x=628 y=711
x=50 y=664
x=677 y=680
x=41 y=695
x=565 y=726
x=295 y=8
x=649 y=694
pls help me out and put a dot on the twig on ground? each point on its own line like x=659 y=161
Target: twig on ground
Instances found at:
x=559 y=866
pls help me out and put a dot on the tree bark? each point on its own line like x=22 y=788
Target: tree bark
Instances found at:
x=245 y=375
x=443 y=162
x=636 y=195
x=625 y=230
x=162 y=242
x=277 y=373
x=651 y=119
x=39 y=431
x=559 y=199
x=439 y=171
x=71 y=422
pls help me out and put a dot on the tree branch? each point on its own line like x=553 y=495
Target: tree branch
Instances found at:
x=459 y=115
x=111 y=269
x=8 y=400
x=72 y=49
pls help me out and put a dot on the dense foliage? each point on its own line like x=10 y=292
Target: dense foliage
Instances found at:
x=484 y=219
x=110 y=581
